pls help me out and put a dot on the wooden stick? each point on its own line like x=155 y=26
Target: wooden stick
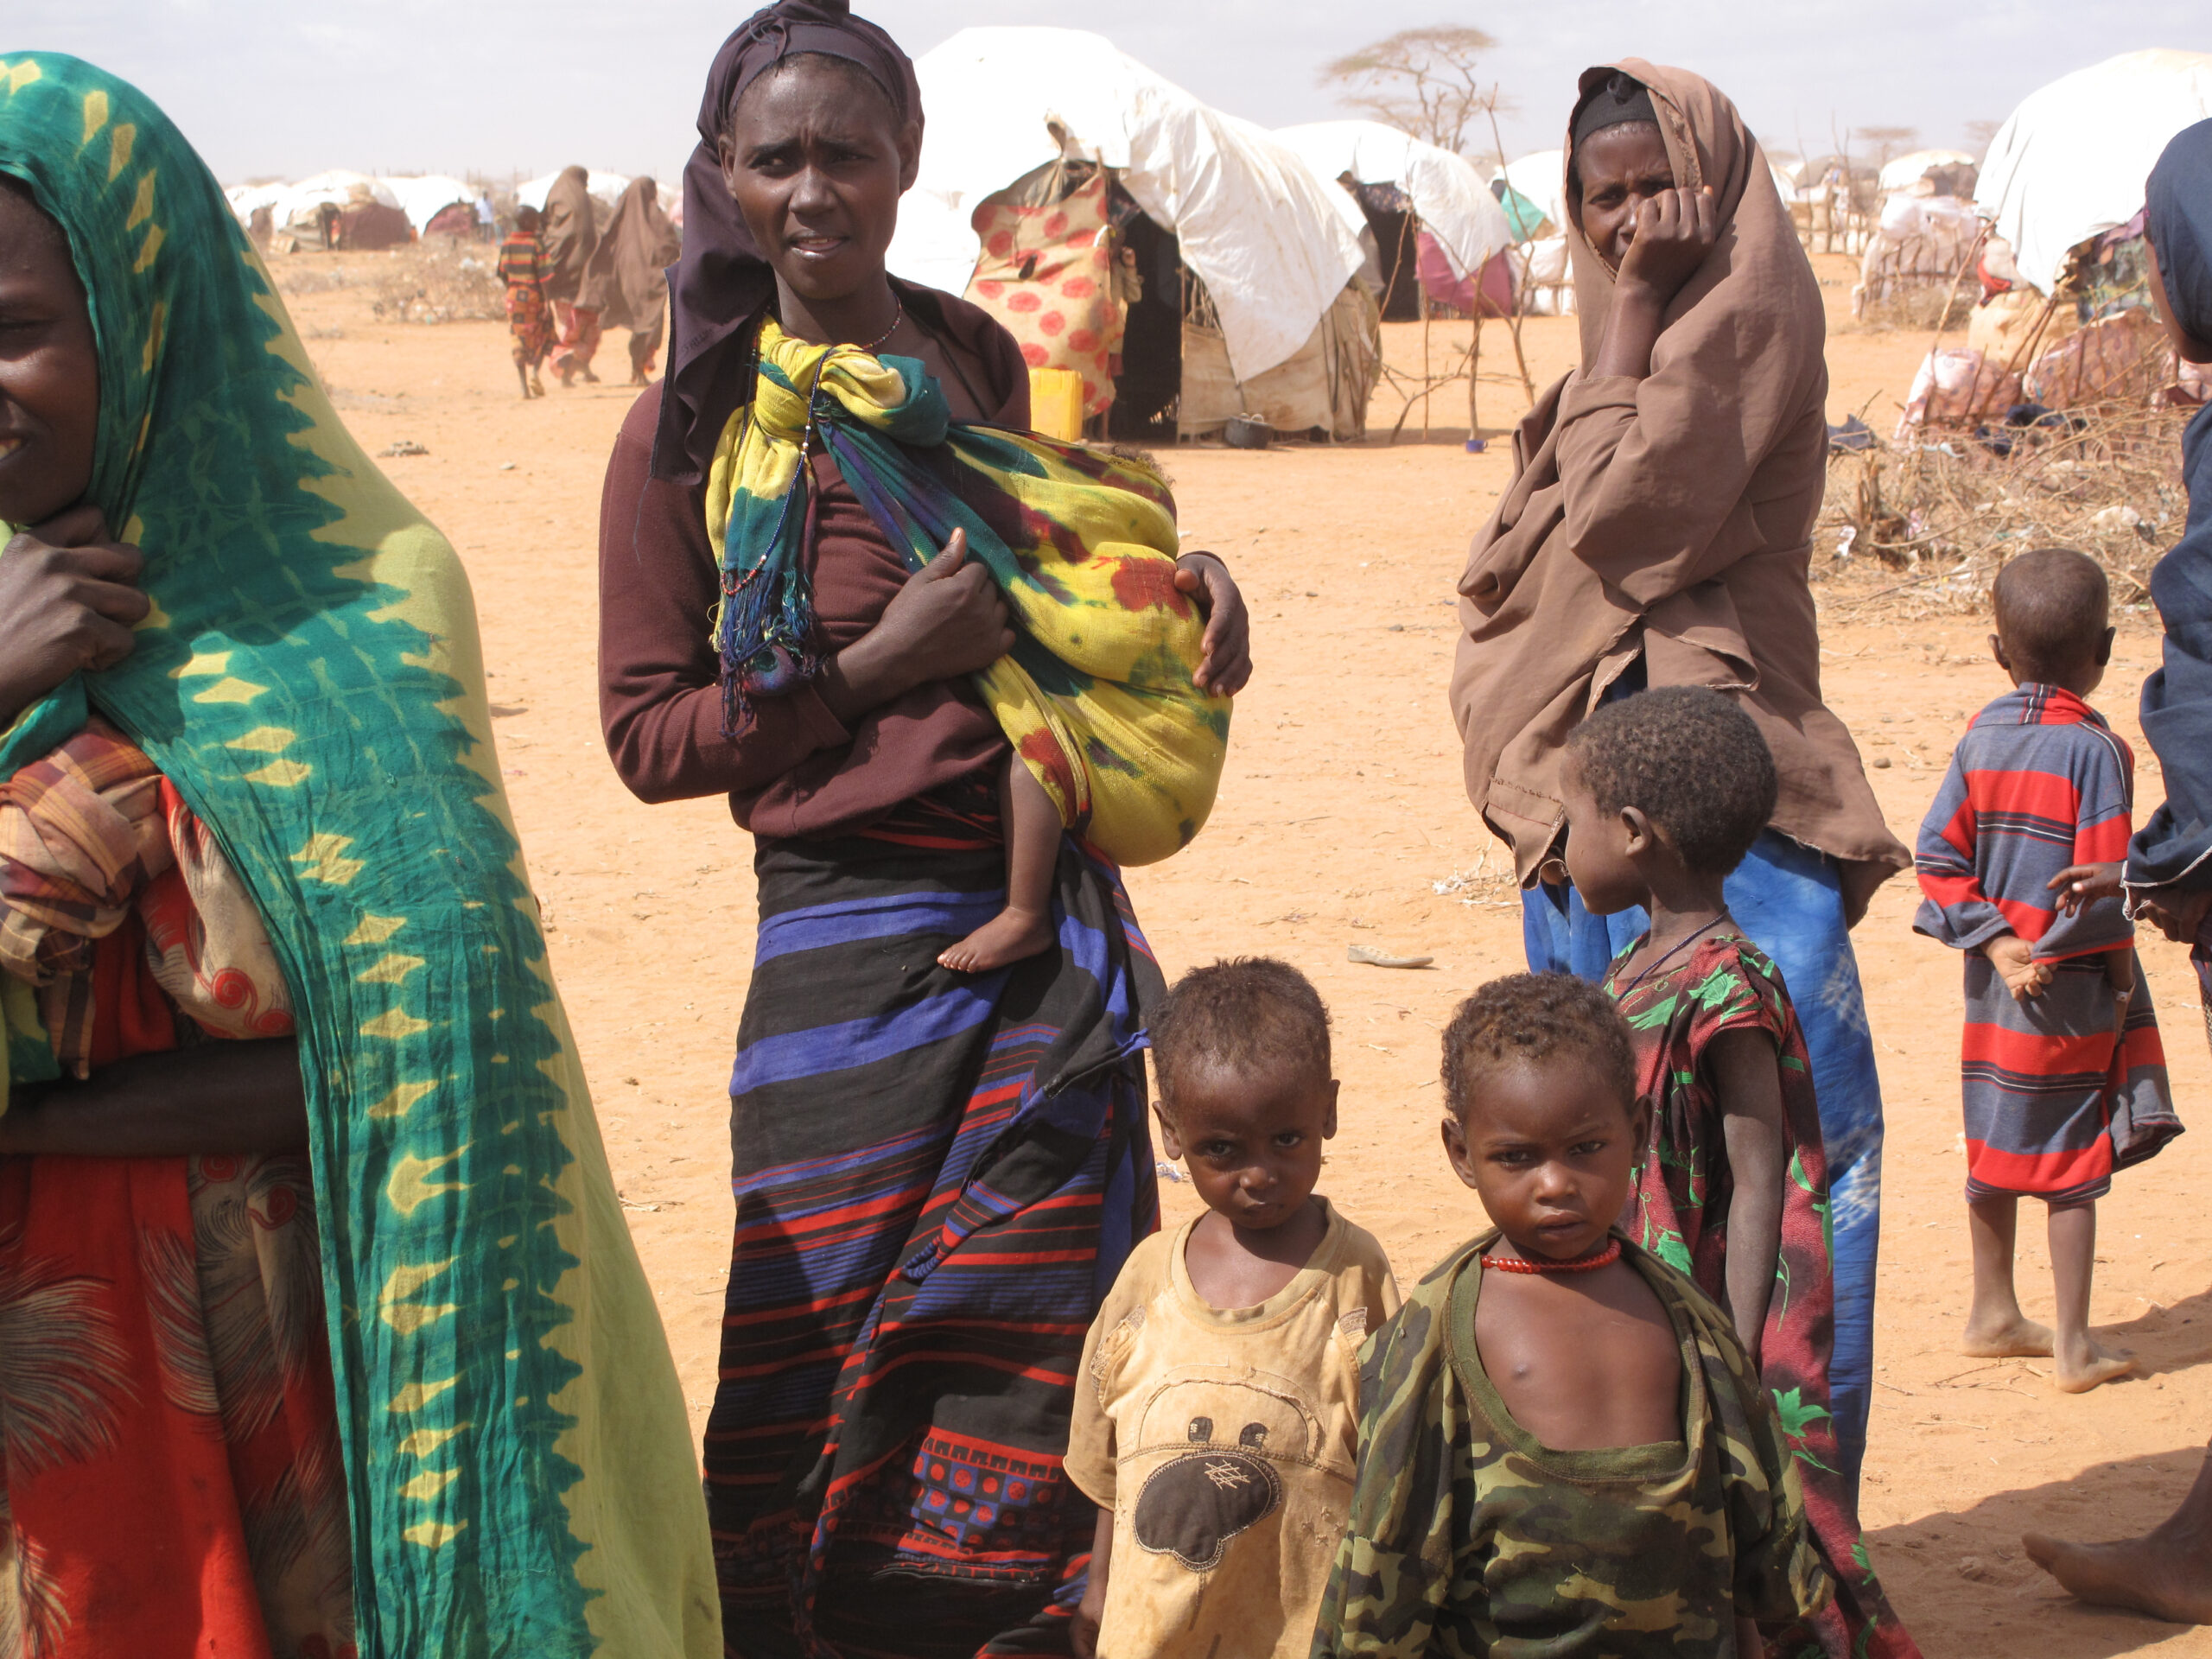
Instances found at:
x=1474 y=357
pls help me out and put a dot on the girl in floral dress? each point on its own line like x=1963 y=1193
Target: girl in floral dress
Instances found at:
x=1665 y=792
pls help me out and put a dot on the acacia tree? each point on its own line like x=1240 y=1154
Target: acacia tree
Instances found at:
x=1888 y=141
x=1980 y=135
x=1421 y=81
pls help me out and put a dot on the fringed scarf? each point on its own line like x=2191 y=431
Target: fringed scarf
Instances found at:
x=1097 y=696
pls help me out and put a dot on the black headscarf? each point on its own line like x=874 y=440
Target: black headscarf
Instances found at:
x=720 y=280
x=2176 y=843
x=1615 y=101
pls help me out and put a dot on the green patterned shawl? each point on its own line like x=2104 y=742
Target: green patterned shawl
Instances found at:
x=517 y=1459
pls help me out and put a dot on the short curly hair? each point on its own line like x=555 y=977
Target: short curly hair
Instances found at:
x=1246 y=1014
x=1690 y=761
x=1528 y=1018
x=2051 y=605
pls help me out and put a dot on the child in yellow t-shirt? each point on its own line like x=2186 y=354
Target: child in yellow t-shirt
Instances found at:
x=1216 y=1420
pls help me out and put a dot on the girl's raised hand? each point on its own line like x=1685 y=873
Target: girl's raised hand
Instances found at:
x=70 y=598
x=1674 y=229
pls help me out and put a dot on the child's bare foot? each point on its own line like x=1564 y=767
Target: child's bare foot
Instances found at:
x=2164 y=1575
x=2017 y=1338
x=1005 y=938
x=2081 y=1367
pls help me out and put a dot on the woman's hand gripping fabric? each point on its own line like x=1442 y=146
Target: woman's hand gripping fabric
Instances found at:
x=70 y=597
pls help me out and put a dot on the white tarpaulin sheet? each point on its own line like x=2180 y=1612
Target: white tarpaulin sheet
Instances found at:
x=1454 y=205
x=422 y=198
x=1542 y=177
x=2070 y=162
x=1904 y=172
x=293 y=203
x=1253 y=222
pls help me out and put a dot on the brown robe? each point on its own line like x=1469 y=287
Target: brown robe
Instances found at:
x=1671 y=516
x=626 y=280
x=570 y=234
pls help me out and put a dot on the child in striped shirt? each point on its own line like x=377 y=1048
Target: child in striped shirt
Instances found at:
x=2020 y=860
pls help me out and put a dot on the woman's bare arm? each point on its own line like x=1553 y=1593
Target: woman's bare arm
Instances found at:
x=1745 y=1075
x=218 y=1097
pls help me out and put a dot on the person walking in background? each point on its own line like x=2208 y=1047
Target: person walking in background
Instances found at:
x=2167 y=1571
x=570 y=233
x=1656 y=533
x=530 y=315
x=487 y=218
x=626 y=285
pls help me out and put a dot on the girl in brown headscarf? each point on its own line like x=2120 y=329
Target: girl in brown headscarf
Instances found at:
x=1657 y=532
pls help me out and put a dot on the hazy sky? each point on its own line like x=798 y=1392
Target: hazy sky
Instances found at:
x=289 y=86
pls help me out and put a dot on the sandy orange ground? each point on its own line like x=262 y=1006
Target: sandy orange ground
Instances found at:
x=1341 y=818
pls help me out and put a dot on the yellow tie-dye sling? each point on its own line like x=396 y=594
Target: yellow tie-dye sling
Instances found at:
x=1097 y=696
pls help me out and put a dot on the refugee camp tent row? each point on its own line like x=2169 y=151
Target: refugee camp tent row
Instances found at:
x=366 y=212
x=2062 y=317
x=1186 y=265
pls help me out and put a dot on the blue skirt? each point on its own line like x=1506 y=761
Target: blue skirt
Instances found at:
x=1788 y=898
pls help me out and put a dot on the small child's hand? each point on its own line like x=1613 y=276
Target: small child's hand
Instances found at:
x=2085 y=884
x=2022 y=975
x=2119 y=973
x=1083 y=1630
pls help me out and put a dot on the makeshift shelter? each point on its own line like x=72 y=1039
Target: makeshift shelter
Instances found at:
x=1920 y=242
x=295 y=210
x=1929 y=173
x=2069 y=162
x=423 y=197
x=1446 y=207
x=1542 y=177
x=1228 y=267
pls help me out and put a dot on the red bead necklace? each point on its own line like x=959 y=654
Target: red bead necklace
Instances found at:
x=1603 y=1258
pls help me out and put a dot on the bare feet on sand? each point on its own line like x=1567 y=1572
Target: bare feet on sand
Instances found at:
x=2079 y=1368
x=2167 y=1575
x=1005 y=939
x=2018 y=1337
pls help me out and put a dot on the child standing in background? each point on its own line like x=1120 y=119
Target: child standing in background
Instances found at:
x=530 y=315
x=1216 y=1413
x=2065 y=1080
x=1564 y=1450
x=1665 y=792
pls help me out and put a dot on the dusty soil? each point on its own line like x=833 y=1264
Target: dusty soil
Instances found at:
x=1343 y=820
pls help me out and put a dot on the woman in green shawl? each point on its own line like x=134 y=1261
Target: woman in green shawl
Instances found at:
x=455 y=1409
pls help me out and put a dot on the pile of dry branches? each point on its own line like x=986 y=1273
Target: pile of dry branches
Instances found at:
x=1944 y=511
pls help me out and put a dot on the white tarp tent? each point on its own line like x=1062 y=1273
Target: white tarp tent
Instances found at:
x=1906 y=171
x=422 y=198
x=290 y=204
x=1542 y=177
x=1453 y=204
x=1251 y=220
x=2070 y=162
